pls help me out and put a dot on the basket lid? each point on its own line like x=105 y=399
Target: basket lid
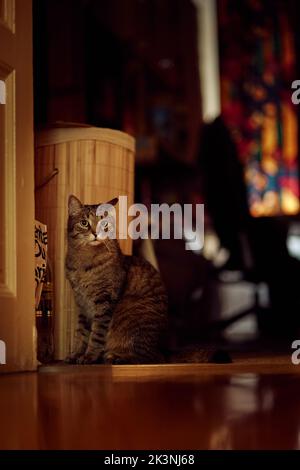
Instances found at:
x=59 y=135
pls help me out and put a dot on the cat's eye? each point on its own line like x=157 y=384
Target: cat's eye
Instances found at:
x=84 y=223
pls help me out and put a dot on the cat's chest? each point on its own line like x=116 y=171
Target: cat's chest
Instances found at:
x=83 y=279
x=87 y=284
x=85 y=290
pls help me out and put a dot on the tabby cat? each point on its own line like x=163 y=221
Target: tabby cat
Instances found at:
x=121 y=299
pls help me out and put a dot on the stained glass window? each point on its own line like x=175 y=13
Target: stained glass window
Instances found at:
x=258 y=66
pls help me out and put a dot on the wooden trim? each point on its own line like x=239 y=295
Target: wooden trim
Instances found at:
x=272 y=365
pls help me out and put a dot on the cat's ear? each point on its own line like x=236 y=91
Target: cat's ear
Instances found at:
x=113 y=201
x=74 y=204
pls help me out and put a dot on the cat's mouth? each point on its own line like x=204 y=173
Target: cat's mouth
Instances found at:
x=95 y=243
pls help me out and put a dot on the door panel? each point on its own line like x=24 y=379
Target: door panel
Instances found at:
x=7 y=14
x=17 y=318
x=8 y=262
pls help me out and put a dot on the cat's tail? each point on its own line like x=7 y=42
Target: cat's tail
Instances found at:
x=199 y=354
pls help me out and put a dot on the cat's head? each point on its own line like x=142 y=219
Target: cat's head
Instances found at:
x=83 y=222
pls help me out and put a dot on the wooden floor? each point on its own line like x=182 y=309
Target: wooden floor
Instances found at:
x=250 y=404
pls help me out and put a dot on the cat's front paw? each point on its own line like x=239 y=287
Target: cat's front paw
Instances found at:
x=90 y=358
x=72 y=358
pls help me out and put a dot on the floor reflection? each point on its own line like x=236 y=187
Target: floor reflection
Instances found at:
x=86 y=410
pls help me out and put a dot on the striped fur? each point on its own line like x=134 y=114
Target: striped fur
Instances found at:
x=121 y=300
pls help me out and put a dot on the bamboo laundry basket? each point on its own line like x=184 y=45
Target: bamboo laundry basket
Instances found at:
x=94 y=164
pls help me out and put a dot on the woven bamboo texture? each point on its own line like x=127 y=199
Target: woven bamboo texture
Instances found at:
x=94 y=164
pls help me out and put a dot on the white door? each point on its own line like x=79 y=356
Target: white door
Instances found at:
x=17 y=320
